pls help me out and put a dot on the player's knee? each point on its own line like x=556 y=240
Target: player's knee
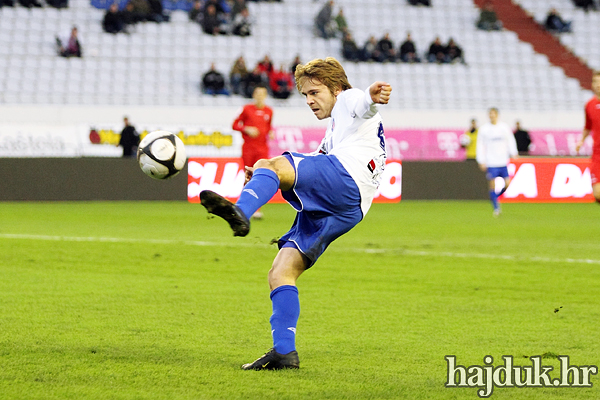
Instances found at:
x=264 y=163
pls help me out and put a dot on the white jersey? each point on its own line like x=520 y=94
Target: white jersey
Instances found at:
x=355 y=136
x=495 y=145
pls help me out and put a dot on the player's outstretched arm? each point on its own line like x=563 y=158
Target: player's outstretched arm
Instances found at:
x=584 y=135
x=380 y=92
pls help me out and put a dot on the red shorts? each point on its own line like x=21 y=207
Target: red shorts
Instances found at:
x=251 y=155
x=595 y=170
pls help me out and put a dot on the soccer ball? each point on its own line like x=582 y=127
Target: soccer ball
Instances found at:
x=464 y=140
x=161 y=155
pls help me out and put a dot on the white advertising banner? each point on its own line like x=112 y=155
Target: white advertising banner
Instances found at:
x=39 y=141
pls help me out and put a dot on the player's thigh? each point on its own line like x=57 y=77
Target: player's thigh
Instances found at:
x=282 y=167
x=596 y=191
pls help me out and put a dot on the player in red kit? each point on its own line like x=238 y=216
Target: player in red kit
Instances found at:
x=592 y=125
x=255 y=124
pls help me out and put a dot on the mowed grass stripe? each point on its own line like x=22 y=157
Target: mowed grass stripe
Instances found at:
x=402 y=251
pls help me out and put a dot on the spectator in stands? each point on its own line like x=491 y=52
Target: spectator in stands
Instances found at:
x=128 y=15
x=370 y=51
x=295 y=63
x=488 y=20
x=437 y=52
x=237 y=75
x=585 y=4
x=58 y=3
x=340 y=21
x=8 y=3
x=195 y=13
x=265 y=66
x=236 y=8
x=130 y=139
x=252 y=80
x=281 y=83
x=140 y=10
x=323 y=21
x=210 y=21
x=213 y=82
x=72 y=47
x=30 y=3
x=454 y=52
x=222 y=10
x=426 y=3
x=386 y=49
x=157 y=12
x=113 y=21
x=523 y=140
x=555 y=23
x=350 y=50
x=242 y=23
x=408 y=51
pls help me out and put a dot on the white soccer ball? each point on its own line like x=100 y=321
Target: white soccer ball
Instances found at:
x=161 y=155
x=464 y=140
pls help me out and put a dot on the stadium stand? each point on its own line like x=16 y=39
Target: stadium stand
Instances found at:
x=585 y=38
x=162 y=64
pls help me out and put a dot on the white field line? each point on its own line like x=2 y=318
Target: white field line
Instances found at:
x=399 y=251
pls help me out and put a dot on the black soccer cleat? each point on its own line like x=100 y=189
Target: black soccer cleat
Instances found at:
x=274 y=360
x=221 y=207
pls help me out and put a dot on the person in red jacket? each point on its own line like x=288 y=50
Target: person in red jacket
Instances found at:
x=592 y=126
x=254 y=122
x=282 y=83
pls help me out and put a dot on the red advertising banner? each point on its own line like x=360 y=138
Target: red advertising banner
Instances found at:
x=226 y=177
x=549 y=180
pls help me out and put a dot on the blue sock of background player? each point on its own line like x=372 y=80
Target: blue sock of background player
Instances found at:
x=494 y=199
x=286 y=305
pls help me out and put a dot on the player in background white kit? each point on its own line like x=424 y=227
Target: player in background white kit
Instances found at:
x=331 y=189
x=495 y=146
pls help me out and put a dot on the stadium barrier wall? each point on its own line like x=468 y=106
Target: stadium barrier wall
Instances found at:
x=75 y=179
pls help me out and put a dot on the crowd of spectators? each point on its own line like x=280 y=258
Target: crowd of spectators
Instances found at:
x=219 y=17
x=555 y=23
x=383 y=50
x=586 y=5
x=35 y=3
x=118 y=20
x=242 y=81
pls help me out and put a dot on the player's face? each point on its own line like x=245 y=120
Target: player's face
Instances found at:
x=259 y=95
x=319 y=98
x=596 y=85
x=493 y=116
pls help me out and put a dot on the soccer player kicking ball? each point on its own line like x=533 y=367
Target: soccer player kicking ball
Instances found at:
x=495 y=145
x=592 y=124
x=331 y=189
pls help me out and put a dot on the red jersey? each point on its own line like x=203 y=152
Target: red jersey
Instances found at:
x=254 y=148
x=592 y=122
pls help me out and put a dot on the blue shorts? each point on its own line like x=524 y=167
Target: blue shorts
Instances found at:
x=327 y=201
x=496 y=172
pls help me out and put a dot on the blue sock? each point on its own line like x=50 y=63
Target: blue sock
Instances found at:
x=494 y=199
x=286 y=310
x=263 y=185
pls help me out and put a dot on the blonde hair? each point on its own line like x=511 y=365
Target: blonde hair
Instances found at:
x=329 y=72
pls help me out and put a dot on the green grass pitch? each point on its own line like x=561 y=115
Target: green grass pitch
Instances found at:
x=153 y=300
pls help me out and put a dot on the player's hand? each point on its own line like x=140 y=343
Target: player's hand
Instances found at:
x=251 y=131
x=483 y=167
x=380 y=92
x=271 y=134
x=578 y=146
x=248 y=172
